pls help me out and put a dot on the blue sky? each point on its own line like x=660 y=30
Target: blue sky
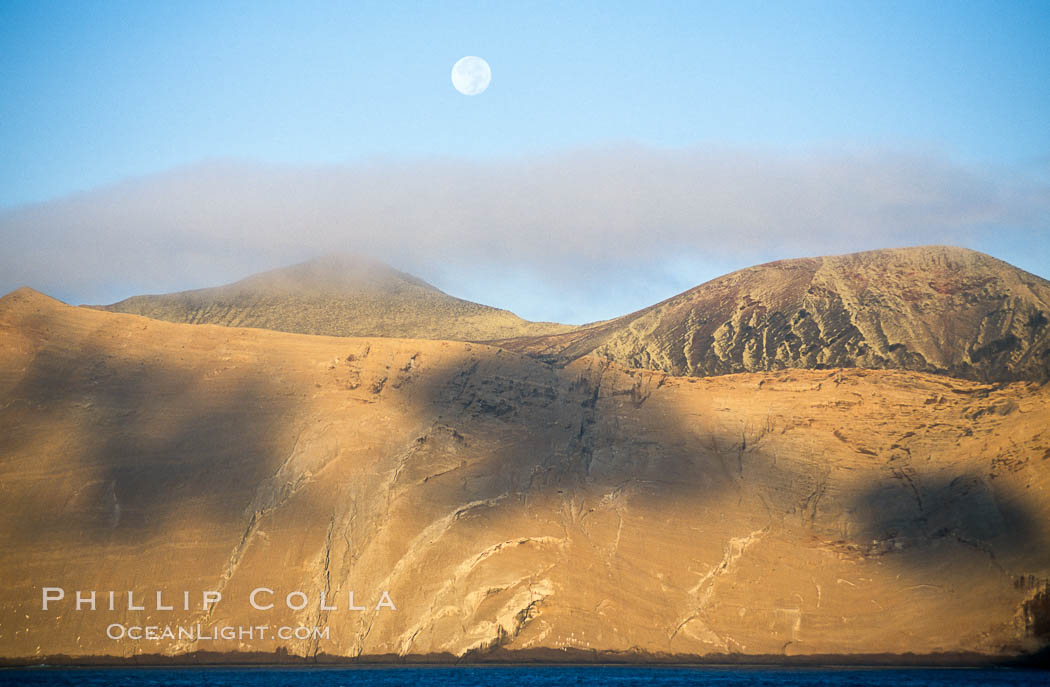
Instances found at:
x=95 y=93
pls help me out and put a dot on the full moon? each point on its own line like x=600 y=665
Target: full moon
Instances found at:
x=471 y=75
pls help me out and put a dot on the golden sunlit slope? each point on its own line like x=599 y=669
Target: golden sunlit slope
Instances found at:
x=933 y=309
x=338 y=296
x=505 y=504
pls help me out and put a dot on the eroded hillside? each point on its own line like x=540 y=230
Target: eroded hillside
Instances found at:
x=934 y=309
x=505 y=502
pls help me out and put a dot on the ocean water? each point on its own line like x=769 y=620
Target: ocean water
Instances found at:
x=532 y=676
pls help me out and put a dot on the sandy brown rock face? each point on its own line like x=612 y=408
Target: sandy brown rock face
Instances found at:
x=338 y=296
x=504 y=502
x=934 y=309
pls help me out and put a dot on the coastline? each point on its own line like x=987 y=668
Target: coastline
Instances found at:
x=539 y=657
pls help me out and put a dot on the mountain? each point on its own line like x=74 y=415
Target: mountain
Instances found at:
x=935 y=309
x=511 y=509
x=338 y=296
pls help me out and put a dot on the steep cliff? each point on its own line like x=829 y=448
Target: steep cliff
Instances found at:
x=503 y=502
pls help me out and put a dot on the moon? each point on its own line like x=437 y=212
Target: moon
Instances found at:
x=471 y=75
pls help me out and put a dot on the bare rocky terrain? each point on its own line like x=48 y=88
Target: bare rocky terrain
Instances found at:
x=935 y=309
x=508 y=504
x=338 y=296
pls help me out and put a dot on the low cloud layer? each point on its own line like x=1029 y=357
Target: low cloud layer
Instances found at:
x=591 y=233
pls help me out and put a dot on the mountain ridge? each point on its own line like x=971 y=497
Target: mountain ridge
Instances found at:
x=336 y=295
x=939 y=309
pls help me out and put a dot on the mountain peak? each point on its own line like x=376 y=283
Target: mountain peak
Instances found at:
x=333 y=273
x=26 y=297
x=338 y=295
x=916 y=255
x=939 y=309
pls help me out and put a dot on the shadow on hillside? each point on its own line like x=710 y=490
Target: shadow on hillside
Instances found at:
x=927 y=521
x=574 y=431
x=157 y=439
x=142 y=441
x=497 y=430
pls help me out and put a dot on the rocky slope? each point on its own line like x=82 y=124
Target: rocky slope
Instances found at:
x=338 y=296
x=933 y=309
x=504 y=503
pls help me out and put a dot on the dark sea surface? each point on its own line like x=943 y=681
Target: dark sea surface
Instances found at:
x=544 y=676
